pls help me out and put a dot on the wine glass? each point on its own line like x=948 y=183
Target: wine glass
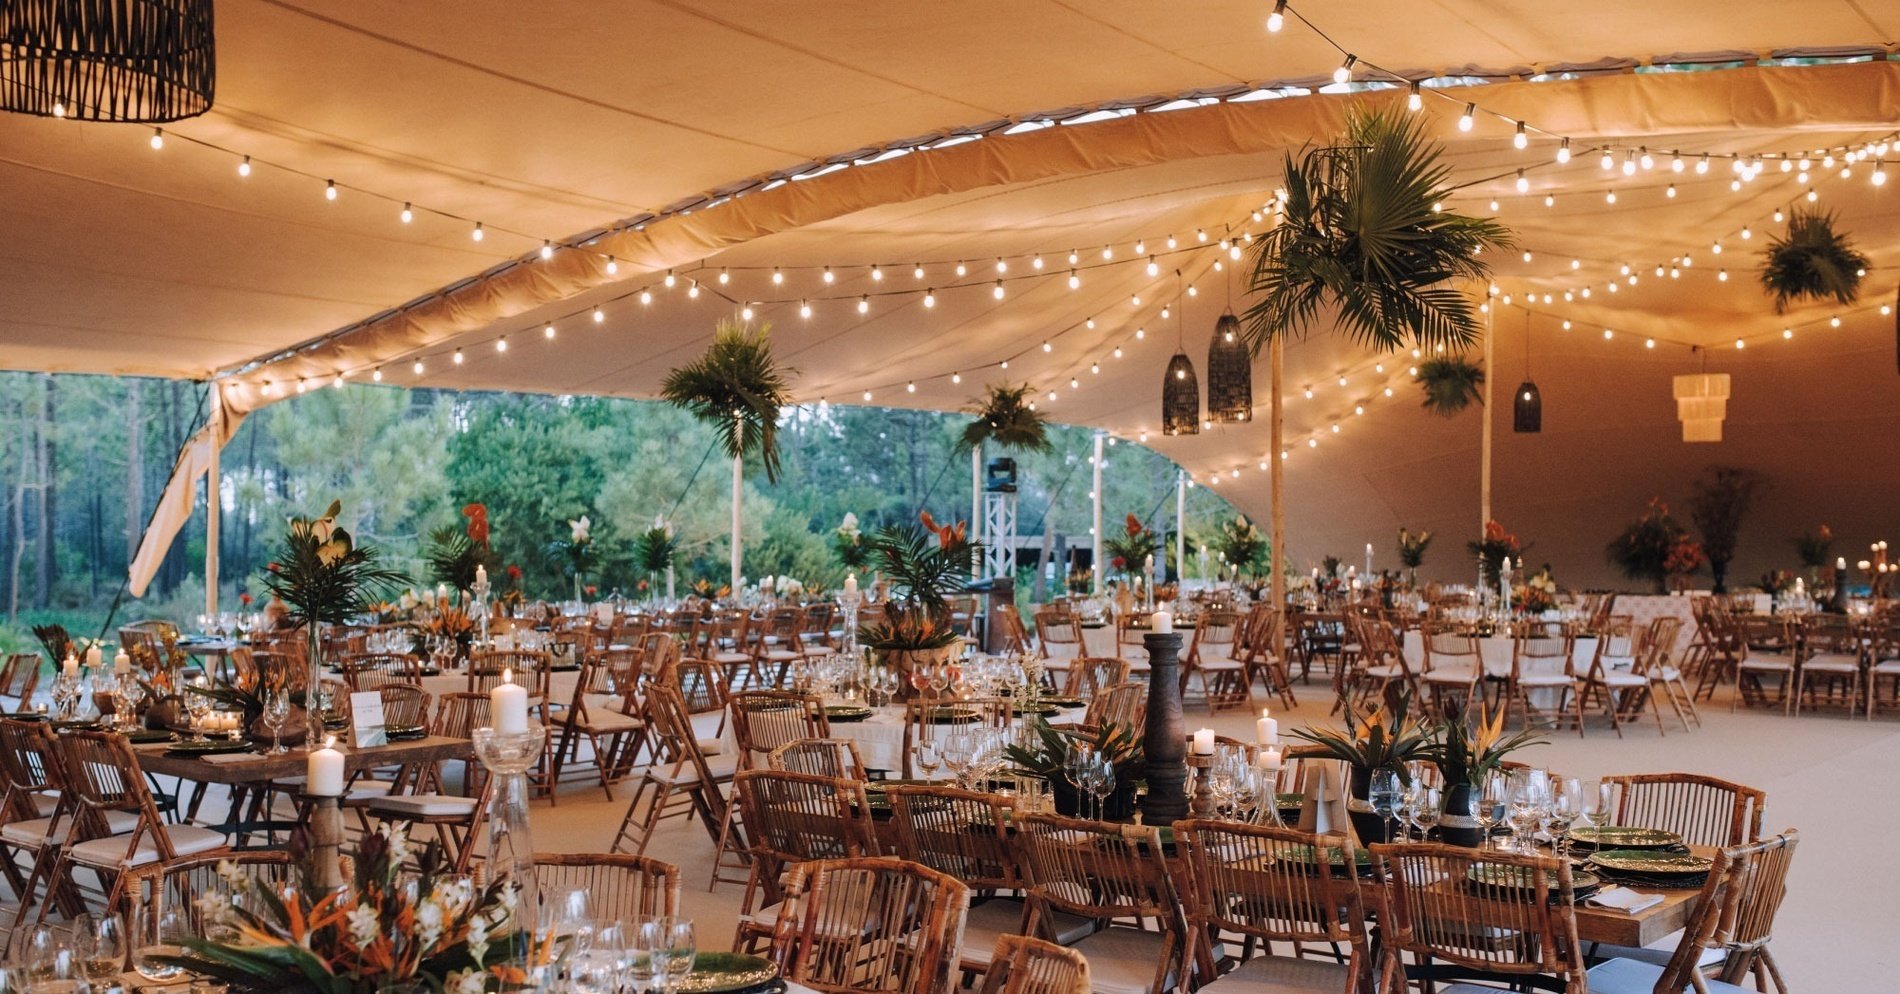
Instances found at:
x=1075 y=765
x=198 y=706
x=158 y=934
x=131 y=695
x=1427 y=805
x=573 y=919
x=64 y=975
x=1382 y=793
x=645 y=955
x=1527 y=804
x=682 y=948
x=276 y=716
x=99 y=941
x=1598 y=797
x=1490 y=803
x=1102 y=784
x=46 y=945
x=940 y=678
x=1566 y=806
x=958 y=751
x=928 y=757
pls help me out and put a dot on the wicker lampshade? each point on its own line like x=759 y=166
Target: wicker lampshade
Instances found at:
x=1229 y=374
x=1528 y=410
x=1180 y=398
x=107 y=60
x=1701 y=404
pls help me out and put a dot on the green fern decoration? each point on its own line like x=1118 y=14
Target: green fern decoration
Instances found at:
x=737 y=387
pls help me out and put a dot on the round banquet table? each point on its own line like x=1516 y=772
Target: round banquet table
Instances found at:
x=880 y=738
x=1496 y=652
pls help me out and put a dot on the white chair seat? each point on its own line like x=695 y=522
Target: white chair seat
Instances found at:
x=1656 y=953
x=1282 y=974
x=781 y=655
x=1830 y=663
x=610 y=723
x=1545 y=680
x=1450 y=675
x=1623 y=678
x=721 y=768
x=711 y=747
x=1628 y=976
x=424 y=806
x=1767 y=665
x=1668 y=674
x=111 y=851
x=1220 y=665
x=1887 y=666
x=1618 y=662
x=1123 y=960
x=38 y=831
x=1390 y=671
x=728 y=658
x=1004 y=916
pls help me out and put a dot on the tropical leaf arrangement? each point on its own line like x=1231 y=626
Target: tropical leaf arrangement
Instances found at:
x=925 y=567
x=433 y=929
x=1450 y=383
x=322 y=575
x=1814 y=549
x=1412 y=546
x=847 y=542
x=1048 y=749
x=56 y=642
x=454 y=553
x=1008 y=418
x=1128 y=550
x=574 y=555
x=1241 y=544
x=1493 y=547
x=1470 y=746
x=1811 y=262
x=654 y=550
x=1386 y=737
x=1361 y=234
x=737 y=387
x=1642 y=550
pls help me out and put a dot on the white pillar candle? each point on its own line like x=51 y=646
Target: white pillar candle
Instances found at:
x=1267 y=728
x=508 y=705
x=1840 y=563
x=1161 y=623
x=95 y=656
x=481 y=576
x=1270 y=758
x=1204 y=742
x=121 y=663
x=851 y=584
x=71 y=666
x=323 y=771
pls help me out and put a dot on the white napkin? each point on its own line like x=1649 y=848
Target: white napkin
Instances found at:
x=1623 y=899
x=233 y=757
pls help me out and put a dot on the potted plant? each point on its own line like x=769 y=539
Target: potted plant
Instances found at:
x=1412 y=546
x=1642 y=550
x=654 y=552
x=1722 y=497
x=1450 y=384
x=1385 y=738
x=1466 y=753
x=1008 y=417
x=455 y=554
x=924 y=567
x=1242 y=546
x=1047 y=753
x=324 y=577
x=1129 y=550
x=1812 y=262
x=1492 y=549
x=575 y=554
x=737 y=387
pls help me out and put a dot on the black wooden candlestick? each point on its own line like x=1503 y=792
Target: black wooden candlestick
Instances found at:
x=1165 y=742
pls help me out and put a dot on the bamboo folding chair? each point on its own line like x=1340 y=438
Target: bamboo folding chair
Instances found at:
x=19 y=677
x=1705 y=811
x=1123 y=704
x=1111 y=873
x=1022 y=965
x=455 y=819
x=682 y=781
x=1542 y=664
x=822 y=757
x=620 y=886
x=1478 y=915
x=1090 y=675
x=791 y=818
x=373 y=671
x=1211 y=658
x=871 y=925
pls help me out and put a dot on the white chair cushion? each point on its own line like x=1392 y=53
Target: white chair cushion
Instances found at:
x=1391 y=671
x=424 y=806
x=38 y=831
x=711 y=747
x=721 y=767
x=1769 y=664
x=1622 y=679
x=1449 y=675
x=1887 y=666
x=1830 y=663
x=1004 y=916
x=610 y=723
x=1656 y=953
x=728 y=658
x=1544 y=680
x=44 y=804
x=1219 y=665
x=111 y=851
x=781 y=655
x=1628 y=976
x=1668 y=674
x=1282 y=974
x=1123 y=960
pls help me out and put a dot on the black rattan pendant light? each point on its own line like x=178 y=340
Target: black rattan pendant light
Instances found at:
x=146 y=61
x=1229 y=374
x=1528 y=406
x=1180 y=391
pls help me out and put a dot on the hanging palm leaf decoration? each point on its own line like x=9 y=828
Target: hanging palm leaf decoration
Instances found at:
x=737 y=387
x=1450 y=383
x=1006 y=418
x=1361 y=234
x=1812 y=262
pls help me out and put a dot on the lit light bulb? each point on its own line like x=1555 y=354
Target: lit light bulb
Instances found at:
x=244 y=167
x=1141 y=244
x=997 y=292
x=477 y=234
x=956 y=377
x=1047 y=347
x=1344 y=72
x=1520 y=140
x=1075 y=282
x=930 y=298
x=1200 y=234
x=1464 y=120
x=1721 y=276
x=1036 y=263
x=778 y=278
x=376 y=375
x=547 y=249
x=1675 y=162
x=864 y=304
x=1610 y=197
x=745 y=313
x=1523 y=184
x=59 y=108
x=1702 y=164
x=1787 y=333
x=867 y=396
x=1550 y=200
x=1001 y=266
x=1309 y=393
x=1671 y=192
x=1608 y=161
x=646 y=298
x=417 y=368
x=329 y=189
x=613 y=266
x=1880 y=174
x=1413 y=101
x=1171 y=242
x=692 y=289
x=1095 y=367
x=804 y=307
x=828 y=277
x=501 y=344
x=1648 y=343
x=599 y=315
x=910 y=387
x=1834 y=322
x=1108 y=252
x=407 y=214
x=1135 y=299
x=1648 y=161
x=458 y=357
x=1629 y=163
x=1812 y=196
x=724 y=277
x=548 y=332
x=1118 y=352
x=1277 y=19
x=1153 y=268
x=158 y=138
x=917 y=271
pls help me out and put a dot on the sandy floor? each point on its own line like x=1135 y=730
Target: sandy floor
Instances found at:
x=1835 y=779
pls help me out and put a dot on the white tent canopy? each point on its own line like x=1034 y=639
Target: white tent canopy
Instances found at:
x=603 y=127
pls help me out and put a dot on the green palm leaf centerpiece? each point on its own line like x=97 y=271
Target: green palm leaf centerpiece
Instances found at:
x=1812 y=262
x=1450 y=384
x=1007 y=418
x=1362 y=234
x=737 y=387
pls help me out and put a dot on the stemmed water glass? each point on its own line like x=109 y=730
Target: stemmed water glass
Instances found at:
x=645 y=957
x=276 y=716
x=1529 y=800
x=198 y=706
x=1597 y=800
x=1383 y=794
x=158 y=935
x=681 y=947
x=1490 y=802
x=1076 y=764
x=927 y=756
x=99 y=941
x=1101 y=783
x=1427 y=805
x=1566 y=806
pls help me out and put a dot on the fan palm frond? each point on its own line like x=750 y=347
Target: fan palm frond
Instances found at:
x=1362 y=233
x=1451 y=384
x=1007 y=418
x=737 y=387
x=1812 y=262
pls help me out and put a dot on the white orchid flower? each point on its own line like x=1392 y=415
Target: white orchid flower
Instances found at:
x=466 y=982
x=850 y=525
x=765 y=583
x=362 y=924
x=581 y=528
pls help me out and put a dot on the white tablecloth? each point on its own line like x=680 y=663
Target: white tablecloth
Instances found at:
x=880 y=738
x=560 y=684
x=1644 y=608
x=1496 y=650
x=1099 y=640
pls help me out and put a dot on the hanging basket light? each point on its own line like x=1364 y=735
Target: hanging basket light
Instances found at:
x=1180 y=398
x=146 y=61
x=1229 y=374
x=1528 y=410
x=1701 y=405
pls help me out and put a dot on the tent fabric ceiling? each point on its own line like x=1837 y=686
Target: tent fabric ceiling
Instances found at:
x=126 y=260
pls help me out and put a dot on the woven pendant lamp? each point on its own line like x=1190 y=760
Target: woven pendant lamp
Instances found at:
x=1229 y=374
x=146 y=61
x=1180 y=398
x=1702 y=404
x=1527 y=406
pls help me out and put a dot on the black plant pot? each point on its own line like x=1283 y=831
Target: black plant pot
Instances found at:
x=1456 y=826
x=1369 y=827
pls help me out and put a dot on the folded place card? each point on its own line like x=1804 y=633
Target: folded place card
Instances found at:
x=366 y=719
x=1623 y=899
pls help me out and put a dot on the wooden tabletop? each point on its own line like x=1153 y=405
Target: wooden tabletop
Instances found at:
x=154 y=760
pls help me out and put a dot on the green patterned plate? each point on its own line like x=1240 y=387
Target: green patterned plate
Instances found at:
x=1651 y=863
x=944 y=714
x=721 y=973
x=1503 y=875
x=1040 y=707
x=847 y=712
x=1624 y=837
x=210 y=747
x=1063 y=702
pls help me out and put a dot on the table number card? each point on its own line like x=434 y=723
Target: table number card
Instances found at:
x=366 y=717
x=1324 y=808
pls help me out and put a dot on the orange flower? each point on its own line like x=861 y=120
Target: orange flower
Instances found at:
x=477 y=515
x=1133 y=525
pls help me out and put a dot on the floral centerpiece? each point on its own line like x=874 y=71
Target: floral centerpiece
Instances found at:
x=1493 y=548
x=1412 y=546
x=1537 y=594
x=1045 y=750
x=924 y=566
x=388 y=929
x=324 y=577
x=654 y=550
x=446 y=622
x=1241 y=545
x=575 y=554
x=455 y=554
x=1642 y=550
x=1128 y=551
x=847 y=543
x=1384 y=738
x=1466 y=753
x=1684 y=559
x=1815 y=550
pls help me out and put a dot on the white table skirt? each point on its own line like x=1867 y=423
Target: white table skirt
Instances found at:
x=880 y=738
x=1496 y=652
